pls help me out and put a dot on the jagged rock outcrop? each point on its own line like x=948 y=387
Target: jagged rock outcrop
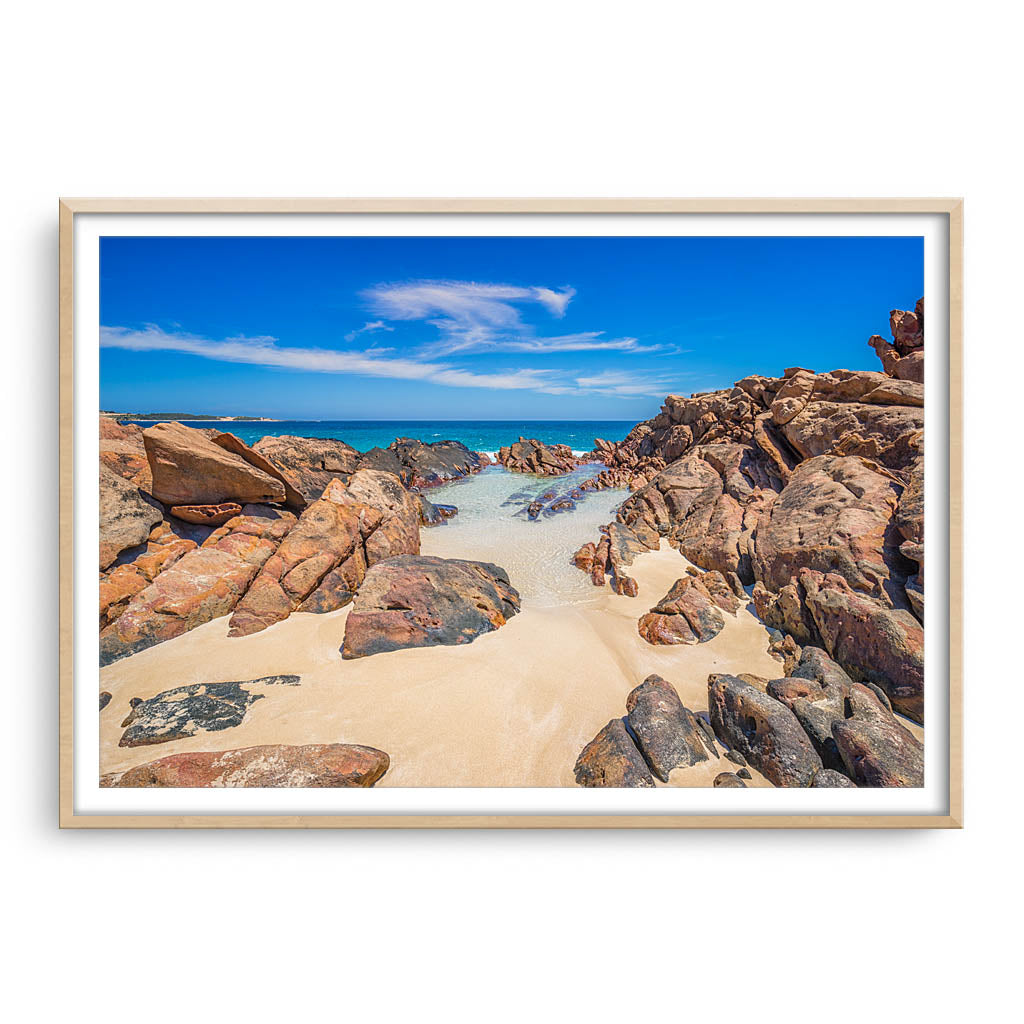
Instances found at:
x=809 y=486
x=311 y=766
x=126 y=515
x=327 y=541
x=399 y=530
x=423 y=601
x=203 y=584
x=421 y=465
x=435 y=515
x=528 y=455
x=309 y=464
x=190 y=469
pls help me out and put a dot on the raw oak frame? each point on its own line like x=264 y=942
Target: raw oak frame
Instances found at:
x=951 y=207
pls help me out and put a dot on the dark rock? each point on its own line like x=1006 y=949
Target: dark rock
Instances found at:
x=765 y=731
x=736 y=757
x=666 y=732
x=420 y=464
x=744 y=773
x=726 y=780
x=105 y=698
x=423 y=601
x=435 y=515
x=316 y=765
x=876 y=748
x=829 y=779
x=186 y=710
x=612 y=759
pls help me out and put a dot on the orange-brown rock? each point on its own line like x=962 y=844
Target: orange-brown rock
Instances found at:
x=327 y=534
x=189 y=469
x=315 y=765
x=309 y=464
x=399 y=530
x=202 y=585
x=207 y=515
x=122 y=450
x=687 y=614
x=528 y=455
x=876 y=748
x=834 y=515
x=230 y=443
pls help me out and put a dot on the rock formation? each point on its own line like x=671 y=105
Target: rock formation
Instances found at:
x=189 y=469
x=315 y=765
x=420 y=465
x=809 y=486
x=126 y=515
x=423 y=601
x=531 y=456
x=691 y=612
x=309 y=464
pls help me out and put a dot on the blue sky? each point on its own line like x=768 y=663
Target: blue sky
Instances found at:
x=481 y=328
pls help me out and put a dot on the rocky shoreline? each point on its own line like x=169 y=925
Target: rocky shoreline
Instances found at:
x=798 y=498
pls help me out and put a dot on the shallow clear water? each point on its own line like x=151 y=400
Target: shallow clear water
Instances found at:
x=480 y=435
x=536 y=554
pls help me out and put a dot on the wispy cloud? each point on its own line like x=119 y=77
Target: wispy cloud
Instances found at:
x=368 y=328
x=472 y=317
x=264 y=351
x=621 y=384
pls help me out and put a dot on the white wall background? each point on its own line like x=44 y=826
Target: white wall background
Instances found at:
x=529 y=98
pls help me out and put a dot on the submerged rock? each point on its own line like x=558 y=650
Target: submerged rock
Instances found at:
x=424 y=601
x=315 y=765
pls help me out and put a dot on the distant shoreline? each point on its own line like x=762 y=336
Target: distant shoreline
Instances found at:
x=181 y=416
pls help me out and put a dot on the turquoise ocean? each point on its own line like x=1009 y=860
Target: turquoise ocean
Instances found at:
x=480 y=435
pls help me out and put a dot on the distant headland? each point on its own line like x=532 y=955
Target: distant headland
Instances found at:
x=184 y=416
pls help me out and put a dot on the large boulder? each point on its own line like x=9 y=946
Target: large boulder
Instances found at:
x=230 y=443
x=203 y=584
x=126 y=515
x=200 y=707
x=423 y=601
x=763 y=730
x=834 y=515
x=312 y=766
x=309 y=464
x=666 y=731
x=876 y=748
x=189 y=469
x=419 y=464
x=611 y=759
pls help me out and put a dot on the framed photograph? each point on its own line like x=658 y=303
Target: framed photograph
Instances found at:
x=510 y=513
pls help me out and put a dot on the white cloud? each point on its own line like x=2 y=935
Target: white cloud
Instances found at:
x=621 y=384
x=472 y=317
x=368 y=328
x=264 y=351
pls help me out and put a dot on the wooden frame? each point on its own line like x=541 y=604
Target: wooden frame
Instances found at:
x=950 y=207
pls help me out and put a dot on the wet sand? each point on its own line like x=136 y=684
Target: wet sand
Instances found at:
x=513 y=708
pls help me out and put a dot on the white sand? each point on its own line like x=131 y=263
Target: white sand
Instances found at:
x=513 y=708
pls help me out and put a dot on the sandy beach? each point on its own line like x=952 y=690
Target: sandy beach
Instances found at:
x=514 y=708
